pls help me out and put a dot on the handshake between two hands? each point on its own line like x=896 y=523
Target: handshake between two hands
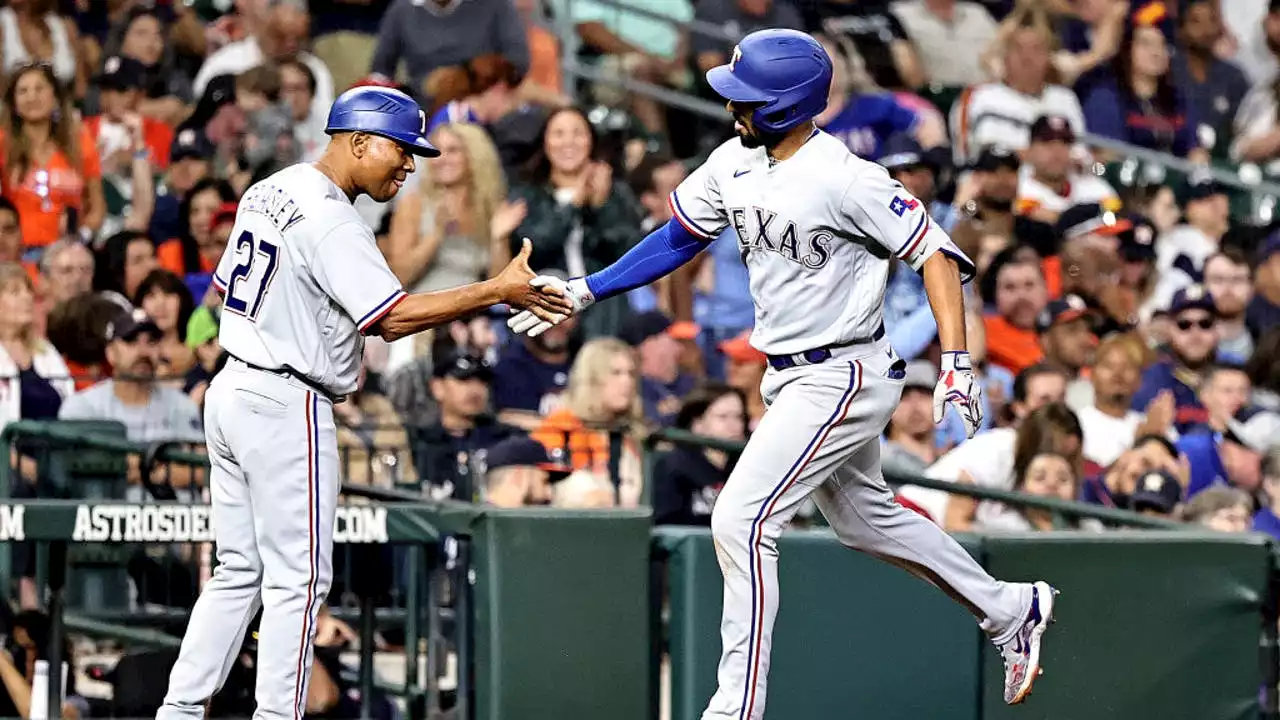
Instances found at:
x=544 y=300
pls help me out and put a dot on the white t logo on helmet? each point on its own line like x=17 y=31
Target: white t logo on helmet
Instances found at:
x=737 y=55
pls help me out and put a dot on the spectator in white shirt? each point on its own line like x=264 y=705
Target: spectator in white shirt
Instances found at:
x=282 y=34
x=1110 y=424
x=1001 y=113
x=1049 y=182
x=948 y=34
x=1182 y=251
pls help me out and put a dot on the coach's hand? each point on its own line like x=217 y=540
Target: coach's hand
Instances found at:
x=516 y=288
x=575 y=291
x=958 y=386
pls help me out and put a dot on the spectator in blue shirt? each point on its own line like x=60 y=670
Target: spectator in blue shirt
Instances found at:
x=1230 y=458
x=658 y=348
x=1214 y=87
x=864 y=121
x=1139 y=103
x=1193 y=337
x=531 y=374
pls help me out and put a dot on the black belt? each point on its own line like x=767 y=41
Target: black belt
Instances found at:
x=288 y=372
x=819 y=355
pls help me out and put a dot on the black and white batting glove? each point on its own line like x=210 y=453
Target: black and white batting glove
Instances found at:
x=958 y=386
x=526 y=323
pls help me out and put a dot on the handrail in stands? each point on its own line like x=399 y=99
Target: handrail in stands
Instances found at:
x=1107 y=515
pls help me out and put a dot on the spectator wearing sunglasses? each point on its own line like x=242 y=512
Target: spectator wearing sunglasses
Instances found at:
x=49 y=164
x=1193 y=337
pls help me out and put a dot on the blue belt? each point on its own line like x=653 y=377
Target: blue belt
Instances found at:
x=819 y=355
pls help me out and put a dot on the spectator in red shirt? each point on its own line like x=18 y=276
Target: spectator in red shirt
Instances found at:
x=121 y=82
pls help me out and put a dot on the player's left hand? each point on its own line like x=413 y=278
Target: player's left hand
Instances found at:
x=576 y=291
x=958 y=386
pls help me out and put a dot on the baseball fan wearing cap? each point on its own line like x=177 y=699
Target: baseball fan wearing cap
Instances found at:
x=744 y=370
x=1183 y=249
x=1193 y=337
x=659 y=345
x=1065 y=333
x=1053 y=185
x=121 y=132
x=520 y=473
x=985 y=198
x=303 y=283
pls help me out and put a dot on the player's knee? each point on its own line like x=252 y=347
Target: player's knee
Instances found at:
x=729 y=525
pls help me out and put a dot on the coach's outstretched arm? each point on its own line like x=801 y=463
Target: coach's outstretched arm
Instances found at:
x=659 y=253
x=416 y=313
x=956 y=382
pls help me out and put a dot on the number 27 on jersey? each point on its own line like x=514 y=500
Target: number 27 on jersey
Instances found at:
x=246 y=288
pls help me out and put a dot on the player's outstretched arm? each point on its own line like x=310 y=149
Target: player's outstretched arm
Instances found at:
x=659 y=253
x=425 y=310
x=957 y=384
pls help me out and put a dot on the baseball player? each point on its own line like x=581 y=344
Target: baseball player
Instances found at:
x=817 y=227
x=303 y=281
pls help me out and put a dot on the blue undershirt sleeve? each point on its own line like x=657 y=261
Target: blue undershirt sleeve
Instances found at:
x=658 y=254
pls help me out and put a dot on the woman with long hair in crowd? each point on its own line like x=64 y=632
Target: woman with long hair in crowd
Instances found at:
x=166 y=300
x=121 y=264
x=602 y=403
x=442 y=235
x=51 y=171
x=1139 y=102
x=579 y=216
x=140 y=34
x=687 y=480
x=33 y=377
x=194 y=251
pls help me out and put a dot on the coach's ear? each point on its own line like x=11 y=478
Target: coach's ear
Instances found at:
x=359 y=143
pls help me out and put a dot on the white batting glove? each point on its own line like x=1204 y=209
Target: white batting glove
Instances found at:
x=526 y=323
x=958 y=386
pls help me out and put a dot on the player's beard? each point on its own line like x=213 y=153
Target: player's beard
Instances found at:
x=752 y=139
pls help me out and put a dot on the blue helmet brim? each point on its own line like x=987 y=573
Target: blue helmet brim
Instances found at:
x=731 y=88
x=414 y=144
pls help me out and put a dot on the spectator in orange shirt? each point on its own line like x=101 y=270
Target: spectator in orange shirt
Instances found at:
x=51 y=172
x=543 y=83
x=121 y=82
x=603 y=392
x=1014 y=287
x=193 y=251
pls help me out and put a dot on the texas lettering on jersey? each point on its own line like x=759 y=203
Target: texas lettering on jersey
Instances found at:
x=761 y=229
x=816 y=231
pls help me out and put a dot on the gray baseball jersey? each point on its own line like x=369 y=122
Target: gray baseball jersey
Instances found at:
x=303 y=278
x=817 y=231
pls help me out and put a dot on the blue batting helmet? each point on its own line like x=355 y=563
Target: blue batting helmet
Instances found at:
x=786 y=70
x=382 y=111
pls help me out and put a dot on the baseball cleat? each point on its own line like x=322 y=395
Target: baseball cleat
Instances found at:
x=1022 y=652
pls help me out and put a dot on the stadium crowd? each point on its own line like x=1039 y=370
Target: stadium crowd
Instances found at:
x=1127 y=321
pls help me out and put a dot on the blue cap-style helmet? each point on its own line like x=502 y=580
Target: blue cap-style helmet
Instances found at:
x=786 y=70
x=382 y=111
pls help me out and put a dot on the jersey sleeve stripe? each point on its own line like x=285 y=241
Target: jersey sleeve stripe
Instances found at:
x=916 y=236
x=217 y=282
x=686 y=221
x=379 y=312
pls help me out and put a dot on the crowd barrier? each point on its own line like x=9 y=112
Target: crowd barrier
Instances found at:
x=573 y=614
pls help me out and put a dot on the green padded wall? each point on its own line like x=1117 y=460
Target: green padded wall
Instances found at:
x=855 y=637
x=562 y=615
x=1150 y=625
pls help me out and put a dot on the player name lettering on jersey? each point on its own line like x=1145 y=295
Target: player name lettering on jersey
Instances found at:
x=143 y=523
x=760 y=229
x=273 y=202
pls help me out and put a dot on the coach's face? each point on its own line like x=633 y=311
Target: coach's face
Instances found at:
x=384 y=165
